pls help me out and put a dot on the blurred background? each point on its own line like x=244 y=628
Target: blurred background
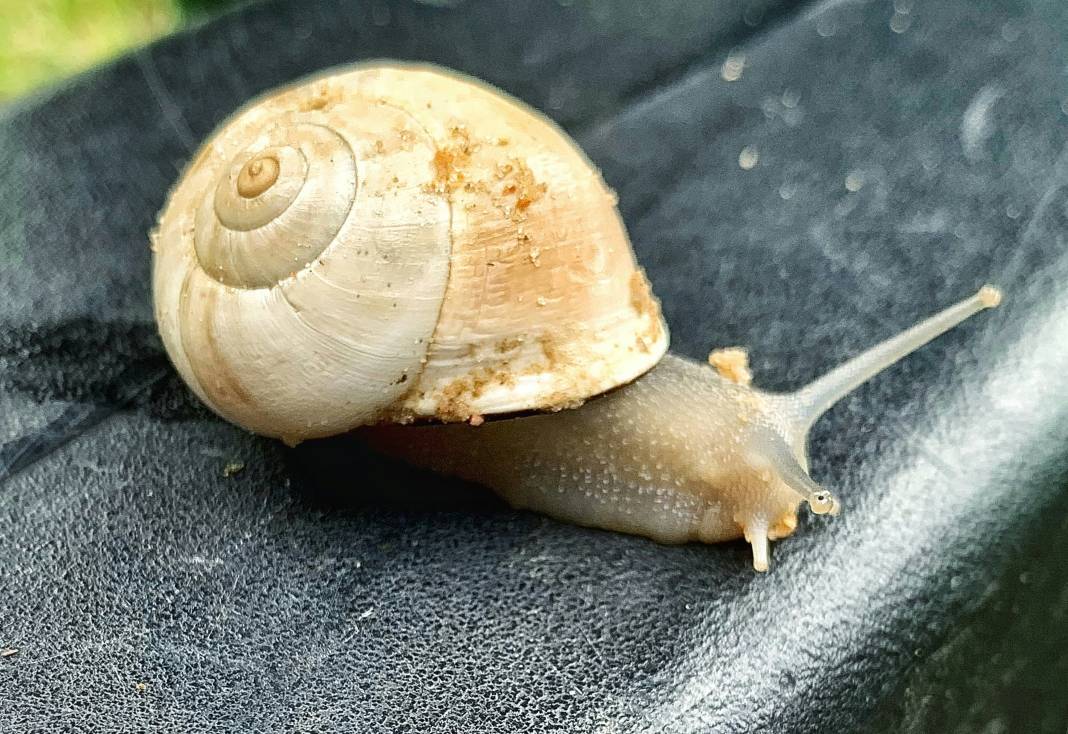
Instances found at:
x=43 y=41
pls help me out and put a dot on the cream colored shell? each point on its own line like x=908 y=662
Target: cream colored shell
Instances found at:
x=391 y=242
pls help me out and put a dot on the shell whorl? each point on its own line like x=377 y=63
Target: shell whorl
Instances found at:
x=279 y=205
x=387 y=243
x=302 y=260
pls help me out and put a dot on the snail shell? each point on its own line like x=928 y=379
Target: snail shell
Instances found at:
x=387 y=243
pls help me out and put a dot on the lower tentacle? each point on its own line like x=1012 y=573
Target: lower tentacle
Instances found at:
x=756 y=534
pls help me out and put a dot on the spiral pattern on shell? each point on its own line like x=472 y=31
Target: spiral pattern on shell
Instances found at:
x=302 y=261
x=278 y=206
x=388 y=243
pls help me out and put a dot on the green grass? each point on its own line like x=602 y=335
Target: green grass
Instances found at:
x=42 y=41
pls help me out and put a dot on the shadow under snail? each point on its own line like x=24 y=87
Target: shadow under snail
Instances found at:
x=390 y=244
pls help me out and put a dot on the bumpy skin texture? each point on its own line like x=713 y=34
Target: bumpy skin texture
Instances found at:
x=675 y=456
x=686 y=452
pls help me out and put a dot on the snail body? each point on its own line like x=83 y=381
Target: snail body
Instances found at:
x=687 y=452
x=392 y=244
x=682 y=454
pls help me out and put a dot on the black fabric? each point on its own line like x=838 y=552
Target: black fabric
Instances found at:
x=905 y=153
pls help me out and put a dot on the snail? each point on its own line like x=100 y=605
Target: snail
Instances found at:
x=413 y=255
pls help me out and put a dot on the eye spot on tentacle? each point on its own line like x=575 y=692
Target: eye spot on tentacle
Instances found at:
x=823 y=503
